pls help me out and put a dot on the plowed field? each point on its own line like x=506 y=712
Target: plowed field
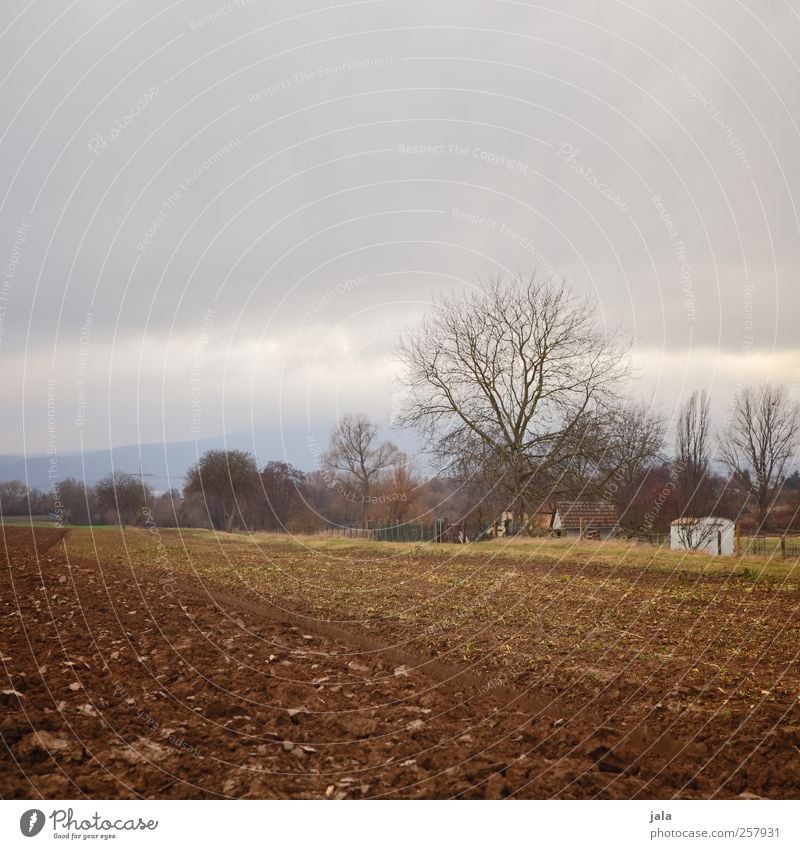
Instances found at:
x=183 y=666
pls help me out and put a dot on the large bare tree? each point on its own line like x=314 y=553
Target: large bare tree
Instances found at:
x=518 y=377
x=692 y=455
x=399 y=491
x=357 y=458
x=632 y=439
x=123 y=495
x=284 y=489
x=760 y=441
x=226 y=481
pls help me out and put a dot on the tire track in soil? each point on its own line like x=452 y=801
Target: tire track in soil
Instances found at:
x=116 y=690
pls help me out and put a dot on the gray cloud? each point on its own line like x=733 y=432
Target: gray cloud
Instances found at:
x=200 y=184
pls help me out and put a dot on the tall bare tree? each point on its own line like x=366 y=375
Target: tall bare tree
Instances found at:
x=399 y=491
x=760 y=441
x=516 y=376
x=357 y=458
x=226 y=481
x=284 y=489
x=692 y=455
x=123 y=495
x=632 y=439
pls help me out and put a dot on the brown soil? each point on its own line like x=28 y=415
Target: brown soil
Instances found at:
x=113 y=688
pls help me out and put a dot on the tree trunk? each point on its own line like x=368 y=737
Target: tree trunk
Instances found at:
x=763 y=510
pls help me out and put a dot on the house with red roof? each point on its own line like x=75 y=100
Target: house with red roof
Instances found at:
x=586 y=519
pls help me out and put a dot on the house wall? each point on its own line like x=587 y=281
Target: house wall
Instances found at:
x=706 y=533
x=602 y=533
x=729 y=539
x=536 y=521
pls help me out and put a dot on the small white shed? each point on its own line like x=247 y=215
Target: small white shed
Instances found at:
x=711 y=534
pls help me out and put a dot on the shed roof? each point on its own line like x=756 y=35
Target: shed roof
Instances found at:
x=597 y=514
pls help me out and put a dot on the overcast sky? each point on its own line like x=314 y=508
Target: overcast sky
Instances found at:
x=221 y=216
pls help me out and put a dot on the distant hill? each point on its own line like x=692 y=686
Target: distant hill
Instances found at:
x=165 y=464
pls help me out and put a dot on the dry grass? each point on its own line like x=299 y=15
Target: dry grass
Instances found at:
x=614 y=555
x=550 y=607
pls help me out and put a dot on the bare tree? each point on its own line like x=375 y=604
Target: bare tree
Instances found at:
x=227 y=481
x=357 y=458
x=692 y=454
x=123 y=495
x=516 y=376
x=14 y=498
x=760 y=441
x=633 y=444
x=284 y=488
x=399 y=490
x=74 y=502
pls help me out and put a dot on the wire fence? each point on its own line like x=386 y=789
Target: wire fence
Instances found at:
x=777 y=546
x=437 y=531
x=783 y=546
x=657 y=540
x=409 y=532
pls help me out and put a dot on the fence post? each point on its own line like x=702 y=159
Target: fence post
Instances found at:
x=783 y=547
x=738 y=539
